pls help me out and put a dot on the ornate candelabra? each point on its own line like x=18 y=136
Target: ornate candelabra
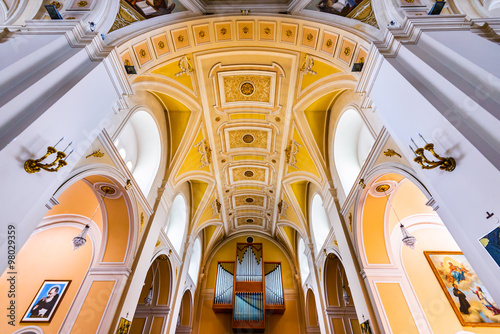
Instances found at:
x=32 y=166
x=448 y=164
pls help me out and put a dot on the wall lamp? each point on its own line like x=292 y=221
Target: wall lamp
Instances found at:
x=448 y=164
x=32 y=166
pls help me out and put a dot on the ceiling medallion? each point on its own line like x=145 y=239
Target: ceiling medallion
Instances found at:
x=161 y=44
x=273 y=161
x=223 y=31
x=82 y=4
x=108 y=190
x=267 y=31
x=271 y=191
x=248 y=173
x=223 y=161
x=142 y=53
x=310 y=37
x=248 y=138
x=329 y=43
x=246 y=30
x=249 y=220
x=249 y=200
x=347 y=51
x=126 y=62
x=57 y=4
x=227 y=190
x=382 y=188
x=180 y=38
x=288 y=33
x=278 y=119
x=217 y=119
x=202 y=33
x=247 y=88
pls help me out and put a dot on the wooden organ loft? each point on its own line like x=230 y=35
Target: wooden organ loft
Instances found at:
x=249 y=288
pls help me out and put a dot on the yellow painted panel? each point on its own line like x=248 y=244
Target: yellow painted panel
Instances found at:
x=299 y=189
x=198 y=189
x=93 y=307
x=290 y=213
x=170 y=70
x=338 y=326
x=395 y=306
x=212 y=322
x=118 y=228
x=356 y=329
x=304 y=160
x=373 y=230
x=137 y=325
x=322 y=70
x=45 y=255
x=247 y=116
x=192 y=160
x=157 y=325
x=290 y=233
x=249 y=188
x=317 y=115
x=178 y=118
x=209 y=232
x=207 y=213
x=248 y=157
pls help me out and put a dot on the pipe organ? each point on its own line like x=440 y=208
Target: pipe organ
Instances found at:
x=248 y=288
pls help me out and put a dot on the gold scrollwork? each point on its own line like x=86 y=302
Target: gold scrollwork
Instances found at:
x=290 y=153
x=206 y=153
x=347 y=51
x=329 y=43
x=82 y=3
x=180 y=38
x=127 y=62
x=288 y=33
x=223 y=31
x=245 y=30
x=96 y=153
x=142 y=53
x=309 y=37
x=201 y=33
x=161 y=45
x=267 y=31
x=390 y=153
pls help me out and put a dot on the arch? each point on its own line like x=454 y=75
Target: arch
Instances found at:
x=139 y=145
x=352 y=143
x=29 y=330
x=312 y=321
x=303 y=261
x=185 y=313
x=320 y=227
x=177 y=222
x=194 y=262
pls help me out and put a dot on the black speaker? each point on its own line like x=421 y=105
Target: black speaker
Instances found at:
x=357 y=67
x=130 y=69
x=438 y=7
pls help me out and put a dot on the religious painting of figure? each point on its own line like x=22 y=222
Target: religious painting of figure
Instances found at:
x=467 y=295
x=46 y=301
x=124 y=326
x=337 y=7
x=365 y=327
x=491 y=242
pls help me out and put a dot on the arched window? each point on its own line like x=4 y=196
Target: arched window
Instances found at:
x=139 y=146
x=303 y=263
x=352 y=144
x=194 y=264
x=176 y=224
x=319 y=221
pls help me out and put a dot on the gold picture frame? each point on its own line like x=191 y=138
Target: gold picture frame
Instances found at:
x=467 y=295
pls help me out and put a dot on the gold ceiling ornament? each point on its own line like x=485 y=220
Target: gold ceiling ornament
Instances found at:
x=142 y=53
x=329 y=42
x=158 y=243
x=307 y=65
x=96 y=153
x=277 y=119
x=70 y=18
x=261 y=88
x=206 y=153
x=245 y=200
x=390 y=153
x=223 y=31
x=127 y=62
x=142 y=221
x=247 y=88
x=273 y=161
x=240 y=138
x=282 y=207
x=248 y=220
x=223 y=161
x=217 y=119
x=245 y=30
x=56 y=4
x=290 y=153
x=185 y=66
x=350 y=221
x=309 y=37
x=362 y=183
x=382 y=188
x=240 y=174
x=82 y=3
x=128 y=185
x=267 y=31
x=362 y=59
x=347 y=51
x=288 y=33
x=161 y=45
x=180 y=38
x=201 y=33
x=216 y=207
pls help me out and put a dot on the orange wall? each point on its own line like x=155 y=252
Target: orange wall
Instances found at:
x=47 y=255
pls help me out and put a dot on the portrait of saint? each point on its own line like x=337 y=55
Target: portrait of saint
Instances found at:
x=45 y=303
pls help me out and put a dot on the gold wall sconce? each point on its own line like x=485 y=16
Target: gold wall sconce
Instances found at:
x=32 y=166
x=448 y=164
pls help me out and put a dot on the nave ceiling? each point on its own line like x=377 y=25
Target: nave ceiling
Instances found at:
x=248 y=103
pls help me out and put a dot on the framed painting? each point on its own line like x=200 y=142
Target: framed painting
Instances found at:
x=365 y=327
x=467 y=295
x=124 y=326
x=491 y=242
x=45 y=303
